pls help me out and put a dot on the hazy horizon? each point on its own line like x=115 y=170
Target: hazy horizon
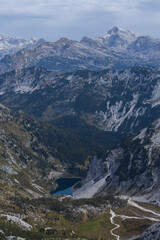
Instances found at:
x=55 y=19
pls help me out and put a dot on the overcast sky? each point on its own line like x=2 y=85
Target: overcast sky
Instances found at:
x=52 y=19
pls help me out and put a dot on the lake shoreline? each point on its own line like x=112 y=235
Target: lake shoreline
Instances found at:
x=65 y=185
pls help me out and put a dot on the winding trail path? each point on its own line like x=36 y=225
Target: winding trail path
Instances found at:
x=132 y=203
x=112 y=221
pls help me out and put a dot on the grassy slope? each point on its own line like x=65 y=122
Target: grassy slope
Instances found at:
x=62 y=219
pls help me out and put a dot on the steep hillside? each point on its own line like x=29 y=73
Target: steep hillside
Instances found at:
x=33 y=154
x=118 y=102
x=152 y=233
x=131 y=169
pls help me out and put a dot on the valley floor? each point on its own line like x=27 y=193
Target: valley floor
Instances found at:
x=63 y=218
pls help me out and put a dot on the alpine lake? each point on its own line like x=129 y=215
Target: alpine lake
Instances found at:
x=65 y=186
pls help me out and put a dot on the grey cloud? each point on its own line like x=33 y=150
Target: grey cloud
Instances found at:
x=55 y=18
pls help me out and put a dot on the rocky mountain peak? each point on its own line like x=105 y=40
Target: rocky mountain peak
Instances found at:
x=115 y=29
x=118 y=37
x=120 y=31
x=63 y=41
x=34 y=39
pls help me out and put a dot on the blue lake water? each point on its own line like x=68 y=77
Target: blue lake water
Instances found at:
x=65 y=186
x=67 y=191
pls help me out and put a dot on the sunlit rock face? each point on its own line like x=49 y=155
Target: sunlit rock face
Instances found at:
x=11 y=45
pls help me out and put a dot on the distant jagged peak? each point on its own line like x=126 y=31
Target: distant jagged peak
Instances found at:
x=90 y=42
x=60 y=43
x=118 y=37
x=11 y=45
x=64 y=41
x=120 y=31
x=34 y=39
x=117 y=29
x=23 y=40
x=85 y=38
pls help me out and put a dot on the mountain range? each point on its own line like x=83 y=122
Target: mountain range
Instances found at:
x=116 y=101
x=88 y=109
x=118 y=49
